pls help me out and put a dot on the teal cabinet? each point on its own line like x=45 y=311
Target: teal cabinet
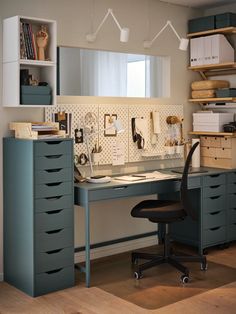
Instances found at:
x=38 y=214
x=231 y=206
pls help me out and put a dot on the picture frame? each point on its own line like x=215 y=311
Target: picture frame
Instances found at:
x=65 y=121
x=108 y=130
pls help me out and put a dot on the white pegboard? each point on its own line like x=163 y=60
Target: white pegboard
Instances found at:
x=124 y=113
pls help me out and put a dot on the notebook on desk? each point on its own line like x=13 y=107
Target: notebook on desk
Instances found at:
x=191 y=170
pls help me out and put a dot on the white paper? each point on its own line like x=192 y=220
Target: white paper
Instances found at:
x=118 y=154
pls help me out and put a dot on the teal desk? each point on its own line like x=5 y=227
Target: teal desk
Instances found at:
x=213 y=195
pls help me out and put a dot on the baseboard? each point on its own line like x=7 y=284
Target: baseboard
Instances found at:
x=117 y=248
x=1 y=277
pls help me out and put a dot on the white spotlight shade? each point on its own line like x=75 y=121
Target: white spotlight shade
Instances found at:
x=124 y=35
x=183 y=45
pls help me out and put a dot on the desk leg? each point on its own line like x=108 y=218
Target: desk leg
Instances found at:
x=87 y=244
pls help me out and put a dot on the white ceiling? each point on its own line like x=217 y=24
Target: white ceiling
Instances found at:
x=200 y=3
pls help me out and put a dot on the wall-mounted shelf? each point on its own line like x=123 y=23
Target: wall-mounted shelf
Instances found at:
x=215 y=69
x=225 y=30
x=213 y=133
x=209 y=100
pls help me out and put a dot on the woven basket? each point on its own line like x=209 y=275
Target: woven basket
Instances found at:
x=209 y=84
x=207 y=93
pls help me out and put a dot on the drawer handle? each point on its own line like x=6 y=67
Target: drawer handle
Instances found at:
x=53 y=184
x=214 y=197
x=214 y=186
x=52 y=212
x=214 y=175
x=120 y=187
x=53 y=142
x=216 y=228
x=54 y=271
x=53 y=156
x=53 y=170
x=54 y=231
x=215 y=213
x=53 y=251
x=53 y=198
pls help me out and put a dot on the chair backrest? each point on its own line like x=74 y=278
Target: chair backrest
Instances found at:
x=185 y=198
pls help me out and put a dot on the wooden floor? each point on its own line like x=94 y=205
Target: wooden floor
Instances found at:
x=97 y=301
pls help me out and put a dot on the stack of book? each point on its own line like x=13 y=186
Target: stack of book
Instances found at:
x=28 y=49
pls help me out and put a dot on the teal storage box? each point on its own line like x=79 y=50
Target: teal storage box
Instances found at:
x=225 y=20
x=226 y=92
x=201 y=24
x=35 y=95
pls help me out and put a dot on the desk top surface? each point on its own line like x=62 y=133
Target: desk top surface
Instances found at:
x=173 y=176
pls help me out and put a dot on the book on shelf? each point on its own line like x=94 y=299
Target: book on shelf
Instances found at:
x=28 y=49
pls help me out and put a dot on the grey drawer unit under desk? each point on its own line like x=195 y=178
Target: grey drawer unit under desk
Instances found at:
x=32 y=213
x=231 y=206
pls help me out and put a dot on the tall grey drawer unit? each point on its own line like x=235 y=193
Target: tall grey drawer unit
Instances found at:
x=231 y=206
x=214 y=210
x=38 y=214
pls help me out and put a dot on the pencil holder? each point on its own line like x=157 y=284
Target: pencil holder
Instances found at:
x=95 y=157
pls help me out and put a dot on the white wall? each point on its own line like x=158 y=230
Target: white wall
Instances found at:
x=74 y=19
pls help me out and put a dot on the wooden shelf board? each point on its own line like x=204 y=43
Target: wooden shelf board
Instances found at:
x=213 y=133
x=225 y=30
x=37 y=62
x=227 y=65
x=206 y=100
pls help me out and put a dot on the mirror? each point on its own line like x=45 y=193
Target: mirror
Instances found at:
x=87 y=72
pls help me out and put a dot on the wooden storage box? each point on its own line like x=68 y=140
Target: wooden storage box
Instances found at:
x=218 y=151
x=37 y=130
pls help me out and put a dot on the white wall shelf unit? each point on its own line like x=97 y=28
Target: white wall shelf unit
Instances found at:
x=14 y=60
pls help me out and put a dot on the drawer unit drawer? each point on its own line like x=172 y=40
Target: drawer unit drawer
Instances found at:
x=210 y=141
x=214 y=219
x=121 y=191
x=55 y=239
x=231 y=177
x=214 y=190
x=47 y=148
x=219 y=152
x=232 y=215
x=213 y=203
x=53 y=162
x=46 y=261
x=53 y=189
x=231 y=200
x=226 y=142
x=231 y=188
x=54 y=219
x=214 y=235
x=232 y=232
x=53 y=203
x=224 y=163
x=214 y=179
x=53 y=175
x=57 y=279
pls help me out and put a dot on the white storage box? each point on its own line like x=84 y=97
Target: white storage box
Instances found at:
x=211 y=122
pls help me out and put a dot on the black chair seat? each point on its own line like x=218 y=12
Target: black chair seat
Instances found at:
x=159 y=210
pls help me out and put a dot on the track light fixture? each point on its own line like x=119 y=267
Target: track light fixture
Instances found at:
x=124 y=32
x=183 y=45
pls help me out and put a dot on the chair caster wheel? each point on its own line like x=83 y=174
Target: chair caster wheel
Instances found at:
x=185 y=279
x=204 y=266
x=138 y=275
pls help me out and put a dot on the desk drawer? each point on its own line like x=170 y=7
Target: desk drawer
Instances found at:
x=55 y=239
x=232 y=232
x=53 y=189
x=231 y=177
x=53 y=175
x=57 y=279
x=219 y=152
x=51 y=220
x=54 y=203
x=136 y=189
x=232 y=215
x=213 y=203
x=214 y=235
x=46 y=261
x=47 y=148
x=231 y=188
x=53 y=162
x=231 y=200
x=214 y=190
x=215 y=179
x=214 y=219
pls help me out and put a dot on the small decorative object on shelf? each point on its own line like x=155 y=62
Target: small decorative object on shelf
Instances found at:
x=42 y=41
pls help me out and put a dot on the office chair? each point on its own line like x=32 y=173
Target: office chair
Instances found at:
x=166 y=212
